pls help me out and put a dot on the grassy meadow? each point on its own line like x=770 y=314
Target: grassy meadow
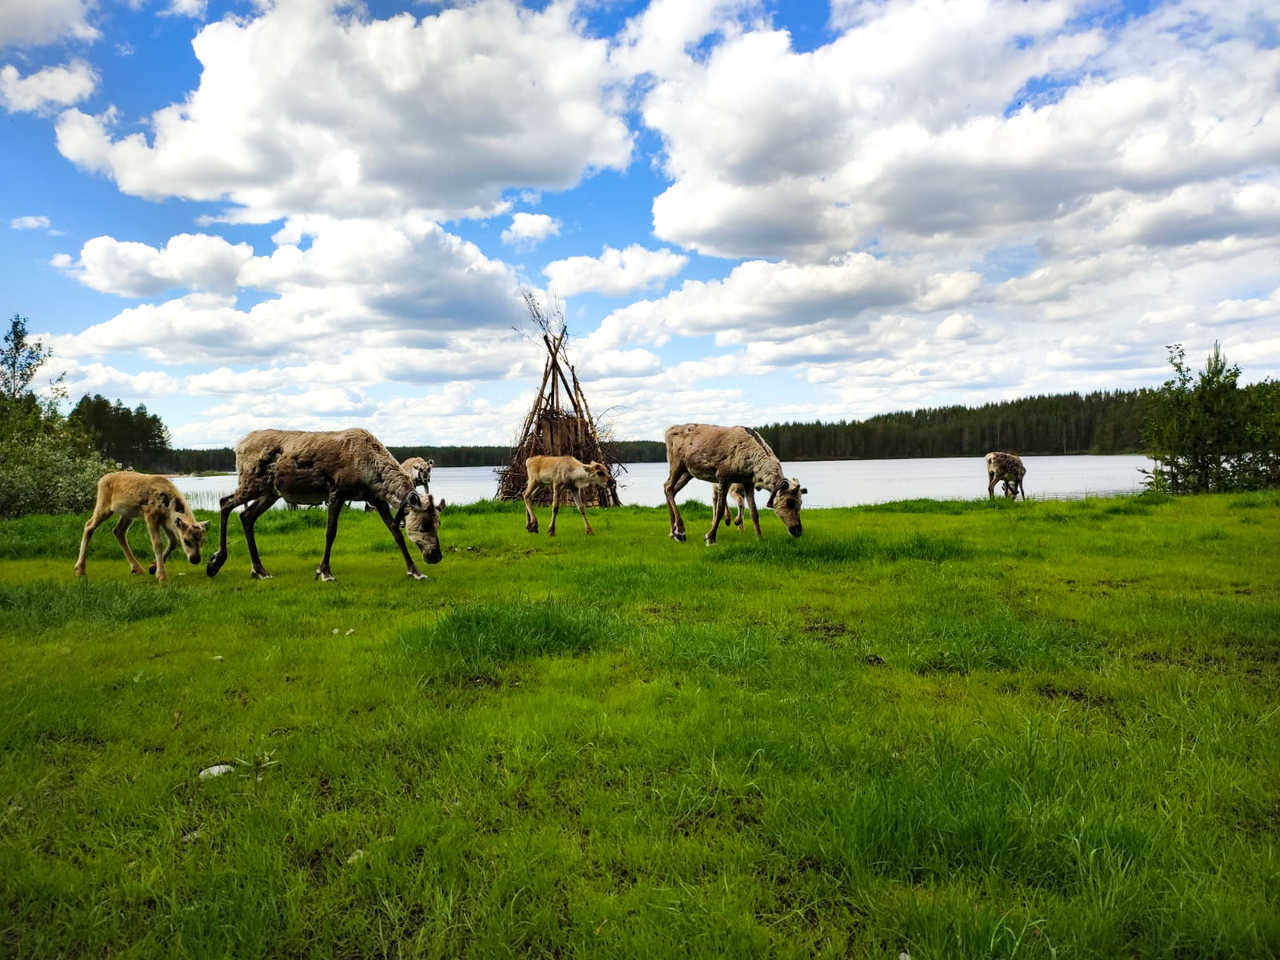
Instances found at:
x=1044 y=729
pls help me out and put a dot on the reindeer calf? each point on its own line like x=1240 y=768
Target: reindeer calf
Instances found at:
x=557 y=472
x=154 y=498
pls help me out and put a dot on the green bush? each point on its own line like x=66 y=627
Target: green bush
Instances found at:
x=46 y=464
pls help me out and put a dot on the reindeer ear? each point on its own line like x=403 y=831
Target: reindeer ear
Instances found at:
x=804 y=489
x=431 y=463
x=180 y=522
x=440 y=505
x=769 y=503
x=415 y=501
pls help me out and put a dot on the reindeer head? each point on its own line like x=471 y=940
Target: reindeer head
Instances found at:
x=192 y=535
x=597 y=474
x=785 y=501
x=422 y=524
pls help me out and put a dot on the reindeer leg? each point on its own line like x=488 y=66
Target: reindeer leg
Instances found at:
x=715 y=503
x=122 y=528
x=249 y=517
x=156 y=531
x=555 y=508
x=720 y=502
x=225 y=505
x=676 y=482
x=755 y=514
x=173 y=542
x=577 y=498
x=330 y=531
x=530 y=518
x=93 y=523
x=384 y=512
x=991 y=486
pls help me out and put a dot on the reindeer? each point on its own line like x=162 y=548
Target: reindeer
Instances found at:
x=1007 y=467
x=155 y=499
x=557 y=472
x=419 y=471
x=724 y=456
x=329 y=467
x=737 y=493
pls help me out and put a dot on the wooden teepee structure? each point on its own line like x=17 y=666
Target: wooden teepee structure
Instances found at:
x=559 y=421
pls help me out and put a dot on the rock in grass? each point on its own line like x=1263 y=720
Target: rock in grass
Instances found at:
x=217 y=770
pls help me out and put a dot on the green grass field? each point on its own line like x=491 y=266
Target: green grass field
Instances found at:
x=948 y=729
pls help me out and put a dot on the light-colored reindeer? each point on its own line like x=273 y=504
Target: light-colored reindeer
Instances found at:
x=558 y=473
x=724 y=456
x=131 y=495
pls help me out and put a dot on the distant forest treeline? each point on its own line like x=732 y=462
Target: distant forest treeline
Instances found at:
x=1108 y=421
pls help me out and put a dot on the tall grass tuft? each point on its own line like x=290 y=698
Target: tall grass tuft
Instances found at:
x=485 y=636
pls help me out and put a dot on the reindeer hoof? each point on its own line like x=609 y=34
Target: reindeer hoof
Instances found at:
x=151 y=569
x=417 y=575
x=532 y=527
x=259 y=574
x=79 y=571
x=678 y=536
x=326 y=576
x=215 y=564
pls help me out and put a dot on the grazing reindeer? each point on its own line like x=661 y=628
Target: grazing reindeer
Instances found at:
x=329 y=467
x=724 y=456
x=155 y=499
x=1007 y=467
x=557 y=472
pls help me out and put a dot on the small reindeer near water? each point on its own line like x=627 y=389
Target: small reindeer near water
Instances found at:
x=1007 y=467
x=131 y=495
x=558 y=472
x=738 y=494
x=330 y=467
x=724 y=456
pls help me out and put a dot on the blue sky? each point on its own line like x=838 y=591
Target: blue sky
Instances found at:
x=316 y=214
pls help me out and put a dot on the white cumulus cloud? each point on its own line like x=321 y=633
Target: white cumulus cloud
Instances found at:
x=527 y=229
x=47 y=88
x=614 y=272
x=34 y=22
x=441 y=114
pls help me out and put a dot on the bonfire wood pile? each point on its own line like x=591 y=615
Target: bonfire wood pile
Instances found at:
x=559 y=423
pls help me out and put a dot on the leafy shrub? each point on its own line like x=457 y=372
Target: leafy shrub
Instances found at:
x=46 y=464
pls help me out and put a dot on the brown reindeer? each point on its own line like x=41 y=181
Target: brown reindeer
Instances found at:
x=724 y=456
x=329 y=467
x=1007 y=467
x=154 y=498
x=557 y=472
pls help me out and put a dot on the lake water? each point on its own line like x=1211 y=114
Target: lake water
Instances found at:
x=831 y=483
